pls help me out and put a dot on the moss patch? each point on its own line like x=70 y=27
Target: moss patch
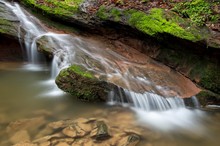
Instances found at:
x=199 y=11
x=81 y=71
x=81 y=83
x=200 y=69
x=211 y=78
x=208 y=98
x=8 y=27
x=64 y=8
x=156 y=22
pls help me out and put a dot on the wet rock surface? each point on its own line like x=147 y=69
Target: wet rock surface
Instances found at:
x=9 y=23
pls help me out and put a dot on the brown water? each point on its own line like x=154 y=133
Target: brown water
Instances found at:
x=24 y=91
x=24 y=95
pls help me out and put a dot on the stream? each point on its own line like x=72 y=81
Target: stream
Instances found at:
x=155 y=92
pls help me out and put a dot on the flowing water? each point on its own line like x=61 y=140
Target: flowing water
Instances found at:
x=143 y=85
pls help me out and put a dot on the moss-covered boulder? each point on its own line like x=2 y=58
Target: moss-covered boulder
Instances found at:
x=83 y=84
x=9 y=23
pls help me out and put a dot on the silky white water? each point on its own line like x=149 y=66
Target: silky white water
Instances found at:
x=141 y=86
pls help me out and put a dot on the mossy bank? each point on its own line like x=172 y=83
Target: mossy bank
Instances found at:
x=180 y=33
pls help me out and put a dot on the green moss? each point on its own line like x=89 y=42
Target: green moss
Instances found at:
x=116 y=14
x=63 y=73
x=70 y=5
x=102 y=13
x=207 y=98
x=77 y=81
x=155 y=23
x=4 y=22
x=79 y=70
x=199 y=11
x=211 y=78
x=64 y=8
x=8 y=27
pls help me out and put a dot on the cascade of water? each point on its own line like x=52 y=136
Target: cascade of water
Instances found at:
x=32 y=32
x=116 y=68
x=145 y=101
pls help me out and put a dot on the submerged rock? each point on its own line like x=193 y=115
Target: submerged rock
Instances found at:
x=101 y=131
x=83 y=131
x=81 y=83
x=20 y=136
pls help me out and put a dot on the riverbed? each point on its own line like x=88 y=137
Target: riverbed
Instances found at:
x=28 y=92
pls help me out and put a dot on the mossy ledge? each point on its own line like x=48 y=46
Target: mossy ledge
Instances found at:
x=155 y=22
x=82 y=84
x=208 y=98
x=9 y=23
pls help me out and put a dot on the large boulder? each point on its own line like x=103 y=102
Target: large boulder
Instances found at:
x=83 y=84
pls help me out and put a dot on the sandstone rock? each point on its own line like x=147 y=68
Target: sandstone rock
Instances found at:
x=20 y=136
x=60 y=124
x=47 y=143
x=63 y=141
x=25 y=144
x=74 y=131
x=62 y=144
x=49 y=137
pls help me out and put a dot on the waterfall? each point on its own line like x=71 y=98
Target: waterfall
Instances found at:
x=148 y=101
x=139 y=86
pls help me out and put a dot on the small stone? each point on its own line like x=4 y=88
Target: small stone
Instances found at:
x=91 y=120
x=74 y=131
x=48 y=137
x=25 y=144
x=47 y=143
x=85 y=127
x=101 y=131
x=69 y=131
x=61 y=124
x=56 y=125
x=130 y=140
x=81 y=120
x=62 y=144
x=20 y=136
x=129 y=131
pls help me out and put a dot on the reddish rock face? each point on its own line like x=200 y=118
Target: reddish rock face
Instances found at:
x=10 y=49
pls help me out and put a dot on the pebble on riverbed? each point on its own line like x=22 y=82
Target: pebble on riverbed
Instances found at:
x=88 y=132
